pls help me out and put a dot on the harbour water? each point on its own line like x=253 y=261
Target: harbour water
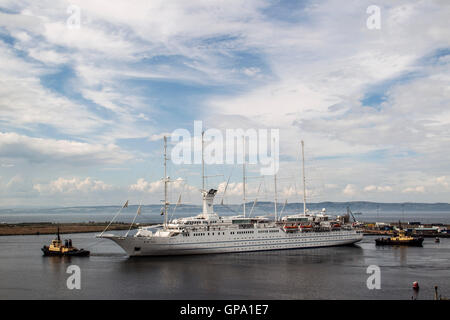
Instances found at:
x=151 y=213
x=322 y=273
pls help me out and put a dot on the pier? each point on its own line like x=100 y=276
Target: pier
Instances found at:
x=423 y=230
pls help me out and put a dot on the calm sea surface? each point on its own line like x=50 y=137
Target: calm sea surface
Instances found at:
x=325 y=273
x=151 y=214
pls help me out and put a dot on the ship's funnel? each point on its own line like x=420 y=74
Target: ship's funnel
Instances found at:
x=208 y=199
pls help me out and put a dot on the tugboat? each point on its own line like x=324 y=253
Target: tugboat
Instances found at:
x=401 y=239
x=56 y=248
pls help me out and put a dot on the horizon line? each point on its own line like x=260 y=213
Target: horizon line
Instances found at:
x=230 y=204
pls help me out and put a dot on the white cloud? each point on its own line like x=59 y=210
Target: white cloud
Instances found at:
x=378 y=188
x=236 y=190
x=321 y=93
x=160 y=136
x=251 y=72
x=418 y=189
x=13 y=145
x=72 y=185
x=349 y=190
x=88 y=38
x=442 y=181
x=370 y=188
x=175 y=185
x=144 y=186
x=25 y=103
x=22 y=21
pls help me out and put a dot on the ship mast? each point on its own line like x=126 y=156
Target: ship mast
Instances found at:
x=165 y=182
x=276 y=200
x=243 y=170
x=203 y=191
x=304 y=180
x=203 y=163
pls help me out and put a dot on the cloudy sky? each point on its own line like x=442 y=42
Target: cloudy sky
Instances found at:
x=83 y=109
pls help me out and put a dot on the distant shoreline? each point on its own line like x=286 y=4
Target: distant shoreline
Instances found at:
x=18 y=229
x=356 y=204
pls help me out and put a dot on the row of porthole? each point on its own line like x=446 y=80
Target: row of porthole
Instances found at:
x=271 y=247
x=243 y=244
x=203 y=234
x=290 y=240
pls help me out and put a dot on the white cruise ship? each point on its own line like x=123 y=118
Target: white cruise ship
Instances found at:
x=210 y=233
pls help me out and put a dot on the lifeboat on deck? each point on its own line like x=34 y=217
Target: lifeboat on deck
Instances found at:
x=291 y=227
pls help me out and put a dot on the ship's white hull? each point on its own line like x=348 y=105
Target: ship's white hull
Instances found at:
x=154 y=246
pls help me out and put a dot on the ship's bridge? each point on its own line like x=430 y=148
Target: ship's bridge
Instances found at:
x=199 y=220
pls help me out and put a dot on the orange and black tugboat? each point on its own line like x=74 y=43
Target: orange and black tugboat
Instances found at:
x=401 y=239
x=56 y=248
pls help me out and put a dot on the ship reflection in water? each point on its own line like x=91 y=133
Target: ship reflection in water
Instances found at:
x=322 y=273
